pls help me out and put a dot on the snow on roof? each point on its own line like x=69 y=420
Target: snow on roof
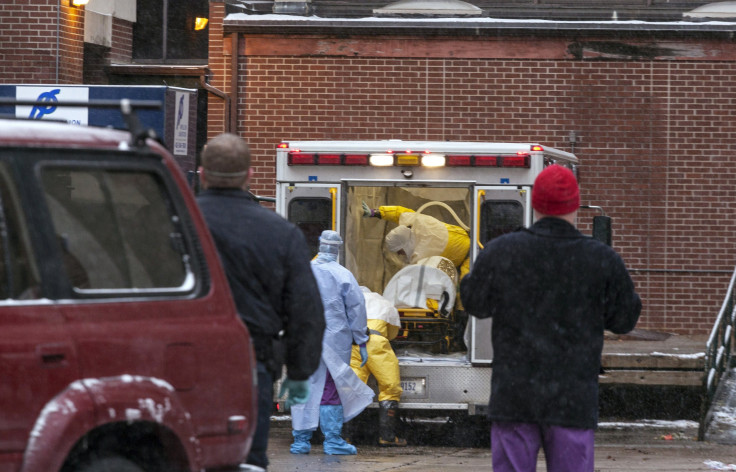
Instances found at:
x=713 y=10
x=294 y=19
x=423 y=7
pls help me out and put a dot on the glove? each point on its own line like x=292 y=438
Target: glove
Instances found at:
x=363 y=354
x=367 y=212
x=296 y=391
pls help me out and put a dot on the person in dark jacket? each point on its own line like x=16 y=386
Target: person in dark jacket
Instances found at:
x=551 y=292
x=266 y=261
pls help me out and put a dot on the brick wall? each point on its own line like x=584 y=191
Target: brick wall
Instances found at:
x=42 y=42
x=71 y=68
x=219 y=63
x=655 y=141
x=121 y=50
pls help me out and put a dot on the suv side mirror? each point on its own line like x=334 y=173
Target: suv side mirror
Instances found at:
x=602 y=229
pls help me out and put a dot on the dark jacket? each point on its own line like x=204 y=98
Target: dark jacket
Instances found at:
x=551 y=291
x=266 y=261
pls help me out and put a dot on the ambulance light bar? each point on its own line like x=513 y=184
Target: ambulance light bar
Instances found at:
x=520 y=159
x=382 y=160
x=408 y=159
x=297 y=158
x=433 y=160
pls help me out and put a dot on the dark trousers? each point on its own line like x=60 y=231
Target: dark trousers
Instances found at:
x=257 y=455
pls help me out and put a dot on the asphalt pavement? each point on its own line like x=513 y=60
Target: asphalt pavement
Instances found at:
x=636 y=446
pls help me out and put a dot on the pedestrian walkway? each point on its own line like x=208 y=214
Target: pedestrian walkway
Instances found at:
x=631 y=447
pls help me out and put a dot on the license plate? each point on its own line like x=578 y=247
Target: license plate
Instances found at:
x=414 y=386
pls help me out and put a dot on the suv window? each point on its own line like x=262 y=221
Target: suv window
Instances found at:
x=19 y=277
x=116 y=228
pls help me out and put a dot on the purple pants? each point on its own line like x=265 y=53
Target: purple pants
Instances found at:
x=515 y=446
x=329 y=394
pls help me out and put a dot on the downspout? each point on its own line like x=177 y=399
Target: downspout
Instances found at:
x=204 y=83
x=233 y=116
x=58 y=41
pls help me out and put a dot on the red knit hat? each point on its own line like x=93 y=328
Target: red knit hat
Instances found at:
x=556 y=191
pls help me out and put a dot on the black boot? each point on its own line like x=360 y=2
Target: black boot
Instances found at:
x=387 y=423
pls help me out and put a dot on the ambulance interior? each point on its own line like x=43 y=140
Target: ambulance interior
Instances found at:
x=426 y=297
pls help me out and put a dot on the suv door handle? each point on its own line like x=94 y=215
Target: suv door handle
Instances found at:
x=53 y=355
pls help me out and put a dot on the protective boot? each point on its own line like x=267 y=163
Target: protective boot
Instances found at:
x=330 y=422
x=388 y=423
x=349 y=431
x=301 y=444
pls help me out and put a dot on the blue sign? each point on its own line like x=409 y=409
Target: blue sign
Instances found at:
x=51 y=95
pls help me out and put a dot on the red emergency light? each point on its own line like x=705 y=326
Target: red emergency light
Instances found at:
x=521 y=159
x=478 y=160
x=356 y=159
x=470 y=160
x=298 y=158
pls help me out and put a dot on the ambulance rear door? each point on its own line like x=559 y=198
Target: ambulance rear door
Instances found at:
x=313 y=207
x=498 y=209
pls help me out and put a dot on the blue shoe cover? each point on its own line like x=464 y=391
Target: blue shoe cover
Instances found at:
x=330 y=422
x=301 y=443
x=339 y=446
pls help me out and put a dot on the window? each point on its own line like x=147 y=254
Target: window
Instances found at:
x=499 y=217
x=115 y=228
x=312 y=216
x=165 y=31
x=19 y=277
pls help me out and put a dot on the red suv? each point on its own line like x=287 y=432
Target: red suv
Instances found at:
x=120 y=346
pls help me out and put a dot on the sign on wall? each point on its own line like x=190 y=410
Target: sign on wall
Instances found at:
x=51 y=96
x=181 y=126
x=175 y=122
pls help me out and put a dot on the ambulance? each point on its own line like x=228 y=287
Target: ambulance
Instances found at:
x=445 y=355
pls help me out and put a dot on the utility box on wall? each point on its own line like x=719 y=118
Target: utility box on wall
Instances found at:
x=175 y=122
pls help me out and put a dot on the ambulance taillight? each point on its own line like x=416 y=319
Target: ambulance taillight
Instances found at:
x=521 y=160
x=298 y=158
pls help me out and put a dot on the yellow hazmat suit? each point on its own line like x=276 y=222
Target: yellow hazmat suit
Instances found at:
x=421 y=236
x=384 y=324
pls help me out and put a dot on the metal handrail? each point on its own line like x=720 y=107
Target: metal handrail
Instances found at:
x=718 y=354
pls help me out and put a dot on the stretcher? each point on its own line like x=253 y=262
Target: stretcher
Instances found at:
x=425 y=298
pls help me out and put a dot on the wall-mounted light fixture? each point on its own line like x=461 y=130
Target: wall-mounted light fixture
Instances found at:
x=200 y=23
x=79 y=3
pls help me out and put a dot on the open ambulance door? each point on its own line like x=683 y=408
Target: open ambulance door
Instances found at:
x=313 y=207
x=497 y=210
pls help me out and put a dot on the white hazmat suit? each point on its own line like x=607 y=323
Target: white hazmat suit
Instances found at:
x=345 y=318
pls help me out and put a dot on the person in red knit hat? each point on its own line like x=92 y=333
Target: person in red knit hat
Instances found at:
x=551 y=292
x=556 y=192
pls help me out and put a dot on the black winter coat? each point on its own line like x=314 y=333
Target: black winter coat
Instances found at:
x=266 y=261
x=551 y=291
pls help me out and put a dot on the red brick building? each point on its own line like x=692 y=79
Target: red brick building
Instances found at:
x=646 y=105
x=42 y=42
x=648 y=108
